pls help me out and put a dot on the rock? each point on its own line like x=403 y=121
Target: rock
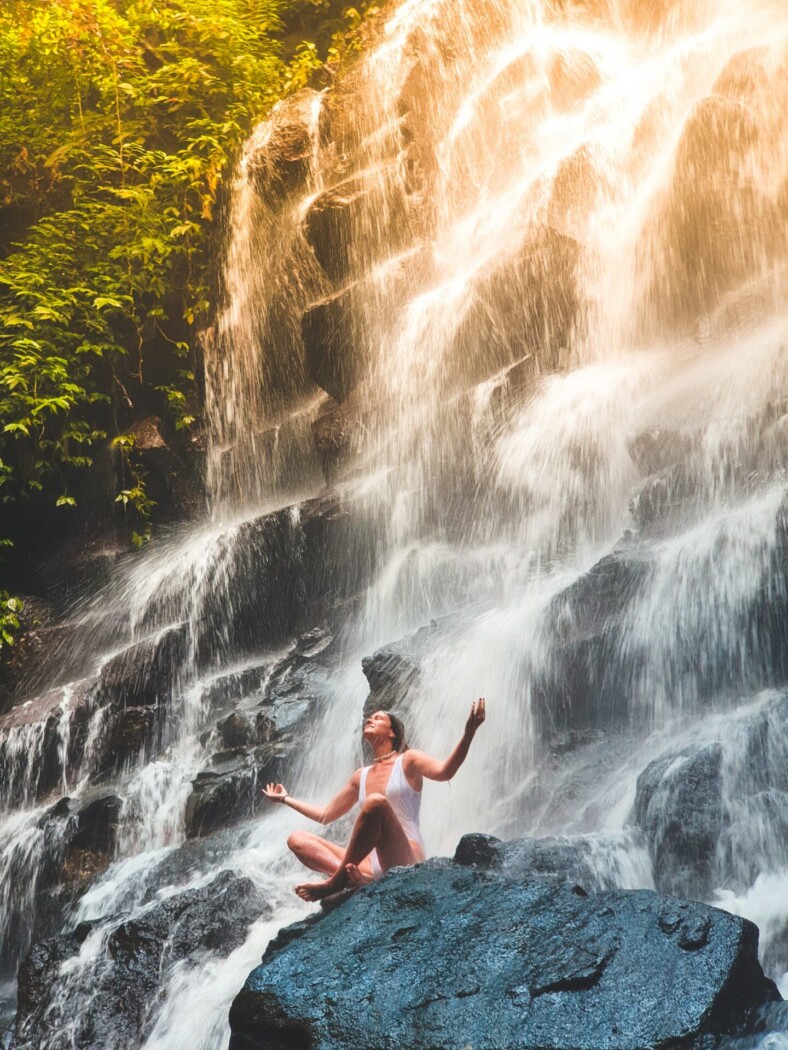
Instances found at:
x=393 y=671
x=715 y=812
x=147 y=434
x=573 y=75
x=664 y=499
x=528 y=305
x=680 y=809
x=280 y=152
x=586 y=863
x=133 y=732
x=277 y=566
x=38 y=735
x=721 y=222
x=576 y=184
x=228 y=688
x=338 y=433
x=146 y=672
x=356 y=223
x=584 y=682
x=90 y=839
x=656 y=449
x=115 y=1000
x=172 y=481
x=33 y=852
x=236 y=731
x=440 y=955
x=45 y=656
x=230 y=790
x=334 y=350
x=96 y=822
x=260 y=741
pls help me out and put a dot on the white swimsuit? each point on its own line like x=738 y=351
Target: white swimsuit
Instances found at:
x=405 y=801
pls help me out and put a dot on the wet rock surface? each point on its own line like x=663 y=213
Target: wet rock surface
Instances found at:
x=255 y=743
x=699 y=804
x=573 y=860
x=279 y=163
x=441 y=955
x=125 y=980
x=331 y=225
x=146 y=672
x=333 y=346
x=680 y=807
x=393 y=671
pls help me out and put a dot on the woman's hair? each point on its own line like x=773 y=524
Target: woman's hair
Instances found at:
x=399 y=743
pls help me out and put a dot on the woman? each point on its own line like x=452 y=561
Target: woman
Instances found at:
x=386 y=833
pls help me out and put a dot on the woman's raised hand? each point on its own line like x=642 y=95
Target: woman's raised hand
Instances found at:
x=276 y=792
x=476 y=717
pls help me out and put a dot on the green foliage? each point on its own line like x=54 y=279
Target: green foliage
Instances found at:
x=10 y=610
x=118 y=119
x=135 y=496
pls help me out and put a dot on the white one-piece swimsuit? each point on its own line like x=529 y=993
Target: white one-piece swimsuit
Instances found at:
x=405 y=801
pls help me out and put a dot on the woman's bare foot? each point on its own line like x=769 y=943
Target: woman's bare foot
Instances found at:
x=316 y=891
x=357 y=877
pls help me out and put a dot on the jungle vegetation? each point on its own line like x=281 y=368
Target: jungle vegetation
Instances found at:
x=119 y=120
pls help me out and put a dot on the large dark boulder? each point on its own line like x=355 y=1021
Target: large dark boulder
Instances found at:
x=49 y=863
x=255 y=743
x=115 y=999
x=715 y=811
x=229 y=790
x=584 y=682
x=680 y=808
x=442 y=956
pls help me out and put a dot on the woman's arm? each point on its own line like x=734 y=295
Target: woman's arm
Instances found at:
x=434 y=768
x=339 y=805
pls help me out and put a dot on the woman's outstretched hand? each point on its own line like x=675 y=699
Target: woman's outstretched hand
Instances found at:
x=276 y=792
x=476 y=717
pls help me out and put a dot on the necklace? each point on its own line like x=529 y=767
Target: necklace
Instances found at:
x=382 y=758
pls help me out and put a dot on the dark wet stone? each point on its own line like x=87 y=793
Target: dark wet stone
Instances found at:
x=96 y=822
x=333 y=345
x=280 y=163
x=393 y=671
x=36 y=774
x=230 y=791
x=443 y=956
x=236 y=731
x=146 y=672
x=576 y=860
x=662 y=501
x=680 y=808
x=655 y=449
x=114 y=1002
x=342 y=232
x=338 y=432
x=133 y=731
x=701 y=807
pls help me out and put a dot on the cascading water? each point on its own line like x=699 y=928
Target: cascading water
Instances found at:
x=515 y=286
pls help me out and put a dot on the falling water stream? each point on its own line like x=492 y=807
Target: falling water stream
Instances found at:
x=549 y=229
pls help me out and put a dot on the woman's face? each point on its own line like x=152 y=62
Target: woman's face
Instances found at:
x=377 y=727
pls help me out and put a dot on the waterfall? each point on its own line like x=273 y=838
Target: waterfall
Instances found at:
x=500 y=350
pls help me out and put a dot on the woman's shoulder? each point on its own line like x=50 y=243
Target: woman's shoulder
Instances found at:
x=411 y=759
